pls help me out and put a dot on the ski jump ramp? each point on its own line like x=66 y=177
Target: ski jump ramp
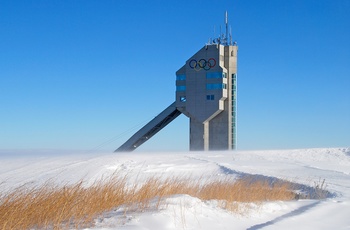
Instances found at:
x=150 y=129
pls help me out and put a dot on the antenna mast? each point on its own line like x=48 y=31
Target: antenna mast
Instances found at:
x=226 y=24
x=225 y=38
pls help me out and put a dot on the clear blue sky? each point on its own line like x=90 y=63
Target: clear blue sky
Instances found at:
x=86 y=74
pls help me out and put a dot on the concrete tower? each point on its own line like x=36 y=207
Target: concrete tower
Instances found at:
x=206 y=93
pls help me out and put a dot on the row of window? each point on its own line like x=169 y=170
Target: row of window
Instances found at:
x=233 y=107
x=210 y=97
x=208 y=86
x=216 y=75
x=180 y=88
x=217 y=86
x=182 y=77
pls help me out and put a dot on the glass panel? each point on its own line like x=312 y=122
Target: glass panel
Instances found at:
x=210 y=97
x=216 y=75
x=181 y=88
x=181 y=77
x=216 y=86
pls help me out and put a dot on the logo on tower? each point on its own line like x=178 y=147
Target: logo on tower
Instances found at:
x=202 y=64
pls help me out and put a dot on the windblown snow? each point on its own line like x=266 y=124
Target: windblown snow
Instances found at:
x=303 y=166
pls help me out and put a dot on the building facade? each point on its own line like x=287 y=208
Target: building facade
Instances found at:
x=206 y=92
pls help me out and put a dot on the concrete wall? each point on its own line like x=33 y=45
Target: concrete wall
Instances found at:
x=210 y=120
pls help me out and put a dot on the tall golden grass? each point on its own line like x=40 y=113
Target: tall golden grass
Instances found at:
x=61 y=207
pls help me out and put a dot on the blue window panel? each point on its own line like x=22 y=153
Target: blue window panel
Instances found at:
x=216 y=75
x=181 y=77
x=216 y=86
x=181 y=88
x=210 y=97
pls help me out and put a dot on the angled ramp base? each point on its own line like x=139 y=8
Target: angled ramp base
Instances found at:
x=150 y=129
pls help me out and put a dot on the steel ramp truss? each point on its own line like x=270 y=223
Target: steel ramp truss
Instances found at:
x=150 y=129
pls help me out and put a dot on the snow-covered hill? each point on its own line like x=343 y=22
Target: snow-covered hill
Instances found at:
x=303 y=166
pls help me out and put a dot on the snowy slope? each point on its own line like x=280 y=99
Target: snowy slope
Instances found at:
x=304 y=166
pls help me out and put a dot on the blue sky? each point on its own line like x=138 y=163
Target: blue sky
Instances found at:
x=86 y=74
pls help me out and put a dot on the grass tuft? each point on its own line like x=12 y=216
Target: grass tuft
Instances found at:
x=62 y=207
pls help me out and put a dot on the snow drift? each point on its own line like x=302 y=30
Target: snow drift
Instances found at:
x=306 y=167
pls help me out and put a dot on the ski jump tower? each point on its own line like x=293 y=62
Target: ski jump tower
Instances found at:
x=206 y=93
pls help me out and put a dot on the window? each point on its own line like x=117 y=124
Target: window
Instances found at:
x=216 y=75
x=233 y=113
x=181 y=77
x=210 y=97
x=217 y=86
x=181 y=88
x=183 y=98
x=234 y=76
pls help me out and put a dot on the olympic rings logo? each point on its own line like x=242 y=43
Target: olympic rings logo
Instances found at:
x=202 y=64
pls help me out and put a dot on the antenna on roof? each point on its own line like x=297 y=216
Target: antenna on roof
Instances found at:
x=214 y=40
x=226 y=24
x=223 y=38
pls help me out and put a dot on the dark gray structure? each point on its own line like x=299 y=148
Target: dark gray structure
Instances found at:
x=206 y=92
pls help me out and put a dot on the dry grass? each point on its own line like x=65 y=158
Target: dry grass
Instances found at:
x=54 y=207
x=62 y=207
x=233 y=195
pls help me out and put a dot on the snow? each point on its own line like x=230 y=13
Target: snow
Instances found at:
x=303 y=166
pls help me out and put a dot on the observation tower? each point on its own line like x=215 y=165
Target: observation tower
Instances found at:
x=206 y=92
